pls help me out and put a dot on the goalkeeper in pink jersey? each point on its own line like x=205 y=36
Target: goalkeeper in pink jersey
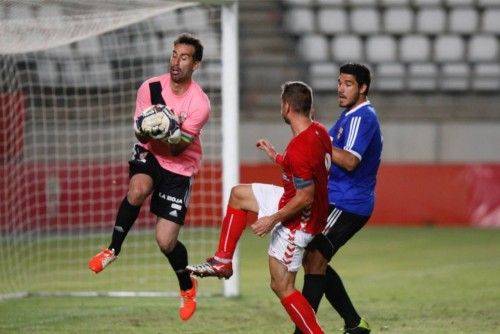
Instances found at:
x=163 y=165
x=293 y=213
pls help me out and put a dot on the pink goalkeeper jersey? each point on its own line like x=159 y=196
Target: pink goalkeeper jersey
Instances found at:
x=195 y=105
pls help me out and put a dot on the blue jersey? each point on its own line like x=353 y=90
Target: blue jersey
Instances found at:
x=356 y=131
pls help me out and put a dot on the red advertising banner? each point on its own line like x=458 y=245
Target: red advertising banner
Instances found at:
x=86 y=195
x=12 y=113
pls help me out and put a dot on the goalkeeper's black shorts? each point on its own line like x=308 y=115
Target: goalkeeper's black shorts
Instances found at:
x=171 y=192
x=340 y=227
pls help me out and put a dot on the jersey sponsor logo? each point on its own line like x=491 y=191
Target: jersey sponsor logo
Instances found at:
x=139 y=154
x=170 y=198
x=176 y=206
x=142 y=156
x=173 y=213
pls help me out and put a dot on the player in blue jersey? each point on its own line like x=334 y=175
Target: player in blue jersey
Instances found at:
x=356 y=152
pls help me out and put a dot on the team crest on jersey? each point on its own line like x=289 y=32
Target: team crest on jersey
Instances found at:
x=339 y=134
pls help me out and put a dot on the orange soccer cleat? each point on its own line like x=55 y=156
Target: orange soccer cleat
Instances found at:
x=102 y=260
x=188 y=301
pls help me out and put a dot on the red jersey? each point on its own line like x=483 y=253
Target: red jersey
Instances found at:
x=307 y=158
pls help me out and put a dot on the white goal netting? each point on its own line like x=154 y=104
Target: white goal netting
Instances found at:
x=69 y=71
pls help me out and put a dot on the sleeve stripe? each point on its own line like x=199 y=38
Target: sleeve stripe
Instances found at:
x=353 y=132
x=301 y=183
x=187 y=137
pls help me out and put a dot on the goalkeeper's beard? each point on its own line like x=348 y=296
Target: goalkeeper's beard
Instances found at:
x=179 y=77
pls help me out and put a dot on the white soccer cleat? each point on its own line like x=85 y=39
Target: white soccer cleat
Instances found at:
x=212 y=268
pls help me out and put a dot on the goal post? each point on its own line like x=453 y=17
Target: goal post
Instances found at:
x=230 y=121
x=69 y=72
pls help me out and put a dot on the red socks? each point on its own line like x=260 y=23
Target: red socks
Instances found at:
x=301 y=313
x=233 y=225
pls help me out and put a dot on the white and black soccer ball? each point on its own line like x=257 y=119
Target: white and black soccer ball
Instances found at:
x=159 y=122
x=169 y=123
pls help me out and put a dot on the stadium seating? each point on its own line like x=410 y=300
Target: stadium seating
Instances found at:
x=313 y=47
x=425 y=3
x=47 y=71
x=332 y=20
x=422 y=77
x=491 y=21
x=365 y=20
x=459 y=2
x=95 y=61
x=414 y=48
x=99 y=75
x=448 y=48
x=390 y=77
x=455 y=77
x=89 y=47
x=380 y=49
x=483 y=48
x=398 y=20
x=486 y=77
x=324 y=75
x=431 y=20
x=421 y=45
x=463 y=20
x=300 y=20
x=488 y=3
x=395 y=2
x=331 y=2
x=165 y=21
x=72 y=73
x=347 y=48
x=195 y=18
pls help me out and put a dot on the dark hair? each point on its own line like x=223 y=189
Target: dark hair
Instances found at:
x=191 y=40
x=360 y=72
x=298 y=95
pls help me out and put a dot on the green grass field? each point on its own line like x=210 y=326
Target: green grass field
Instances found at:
x=402 y=280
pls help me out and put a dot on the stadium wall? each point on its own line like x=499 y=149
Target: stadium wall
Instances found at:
x=77 y=195
x=424 y=194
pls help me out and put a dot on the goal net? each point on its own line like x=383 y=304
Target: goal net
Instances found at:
x=69 y=71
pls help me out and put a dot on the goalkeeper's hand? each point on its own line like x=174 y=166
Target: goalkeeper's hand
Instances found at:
x=175 y=135
x=174 y=138
x=159 y=122
x=147 y=121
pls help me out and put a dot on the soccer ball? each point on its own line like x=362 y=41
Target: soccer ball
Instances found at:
x=160 y=122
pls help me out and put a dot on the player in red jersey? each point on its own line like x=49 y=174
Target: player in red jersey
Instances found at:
x=293 y=213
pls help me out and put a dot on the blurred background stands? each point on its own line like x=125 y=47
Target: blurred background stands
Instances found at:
x=430 y=59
